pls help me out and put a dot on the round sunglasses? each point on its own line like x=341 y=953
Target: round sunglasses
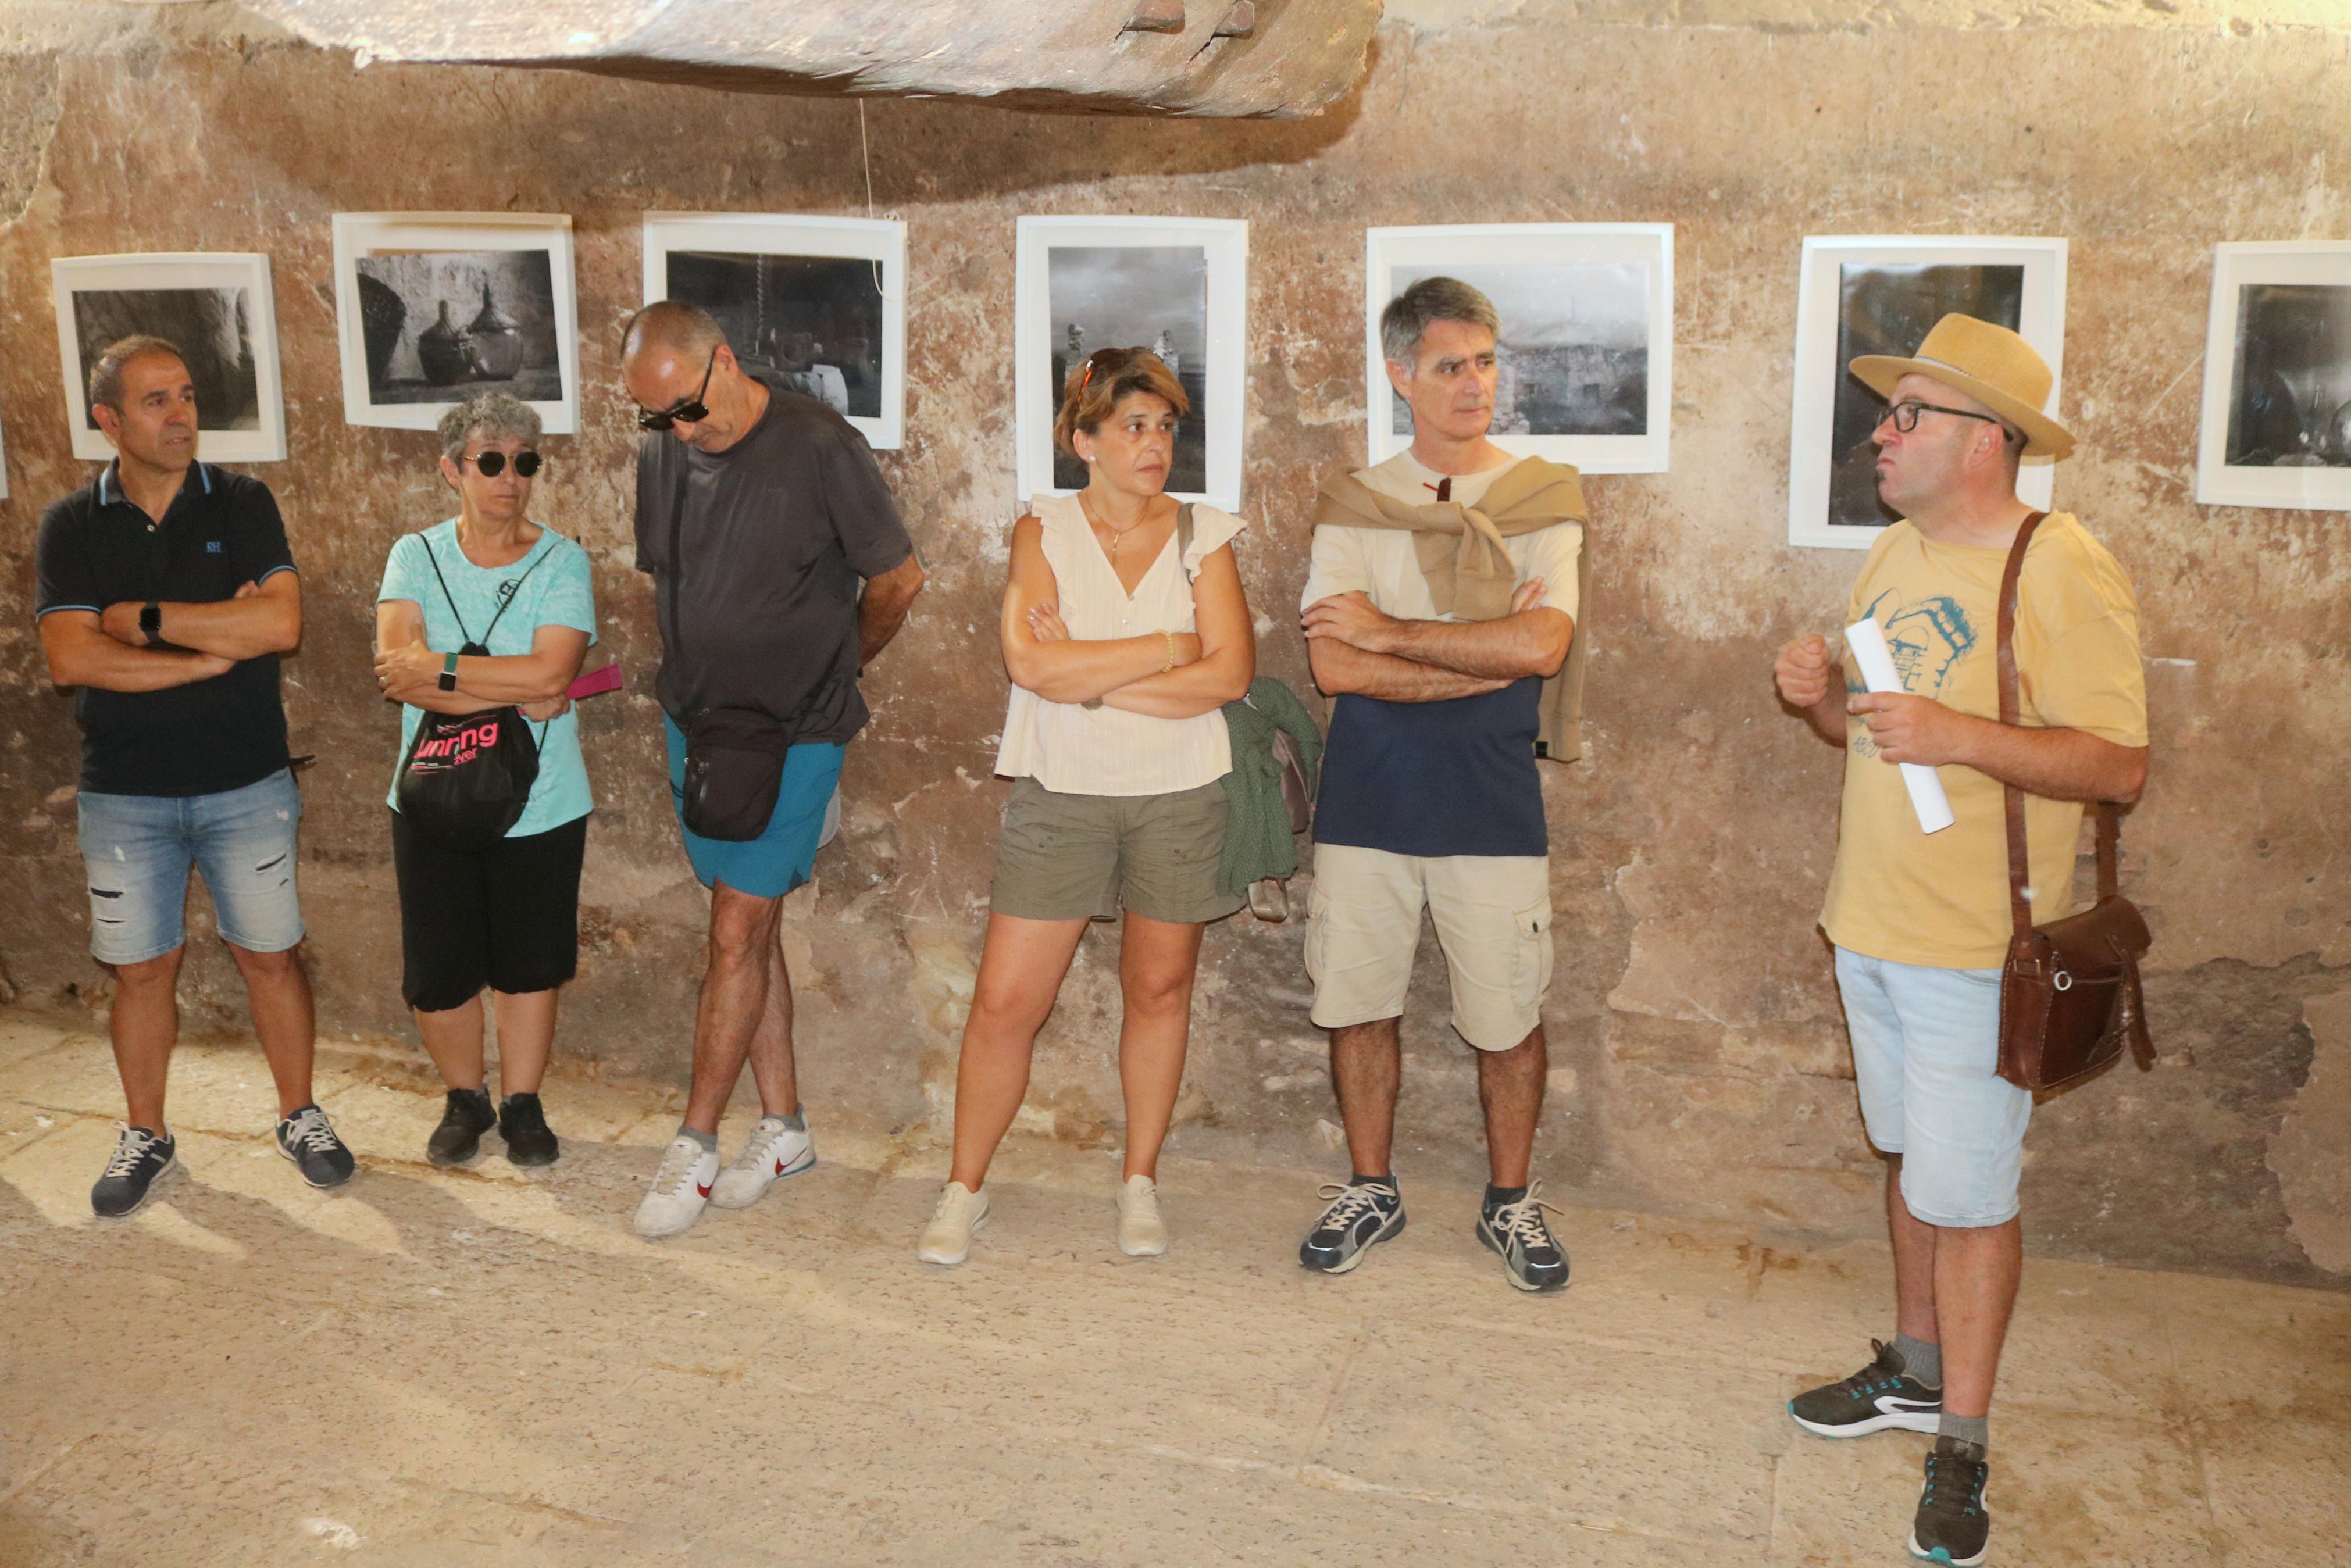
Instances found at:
x=493 y=464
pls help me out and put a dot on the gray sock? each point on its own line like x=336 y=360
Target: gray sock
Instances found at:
x=1976 y=1429
x=1920 y=1360
x=797 y=1121
x=707 y=1140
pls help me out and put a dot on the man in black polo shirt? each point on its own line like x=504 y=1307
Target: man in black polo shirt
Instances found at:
x=166 y=594
x=759 y=511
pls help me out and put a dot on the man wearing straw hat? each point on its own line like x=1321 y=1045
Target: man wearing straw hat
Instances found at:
x=1921 y=924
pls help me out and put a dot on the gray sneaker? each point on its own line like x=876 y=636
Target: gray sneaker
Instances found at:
x=141 y=1159
x=309 y=1139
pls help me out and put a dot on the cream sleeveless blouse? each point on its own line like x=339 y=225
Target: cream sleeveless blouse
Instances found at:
x=1077 y=750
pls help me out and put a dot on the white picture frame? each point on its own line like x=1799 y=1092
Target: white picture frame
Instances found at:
x=1587 y=340
x=1092 y=285
x=217 y=307
x=2277 y=377
x=809 y=292
x=1859 y=295
x=521 y=263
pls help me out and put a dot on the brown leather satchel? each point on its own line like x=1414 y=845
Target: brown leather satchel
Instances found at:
x=2069 y=997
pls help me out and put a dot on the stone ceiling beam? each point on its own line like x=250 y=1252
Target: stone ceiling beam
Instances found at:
x=1224 y=58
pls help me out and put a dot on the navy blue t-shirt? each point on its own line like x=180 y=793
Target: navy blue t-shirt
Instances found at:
x=1452 y=778
x=97 y=548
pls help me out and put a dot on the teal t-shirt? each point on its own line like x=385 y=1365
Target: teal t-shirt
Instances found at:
x=550 y=586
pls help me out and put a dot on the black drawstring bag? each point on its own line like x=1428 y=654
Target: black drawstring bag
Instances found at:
x=467 y=776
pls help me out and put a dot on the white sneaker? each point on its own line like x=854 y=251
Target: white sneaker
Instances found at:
x=1141 y=1232
x=947 y=1237
x=775 y=1151
x=680 y=1188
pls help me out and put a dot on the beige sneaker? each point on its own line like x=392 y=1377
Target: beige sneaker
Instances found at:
x=1141 y=1232
x=947 y=1237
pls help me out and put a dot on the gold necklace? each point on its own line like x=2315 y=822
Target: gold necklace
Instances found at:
x=1117 y=536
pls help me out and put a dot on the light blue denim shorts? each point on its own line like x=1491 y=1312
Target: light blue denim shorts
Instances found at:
x=1926 y=1047
x=136 y=850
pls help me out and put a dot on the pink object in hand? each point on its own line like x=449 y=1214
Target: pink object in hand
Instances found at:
x=607 y=679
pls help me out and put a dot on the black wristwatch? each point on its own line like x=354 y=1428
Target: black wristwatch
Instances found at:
x=448 y=681
x=151 y=622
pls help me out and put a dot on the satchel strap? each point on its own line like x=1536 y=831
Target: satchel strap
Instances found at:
x=1184 y=540
x=2109 y=833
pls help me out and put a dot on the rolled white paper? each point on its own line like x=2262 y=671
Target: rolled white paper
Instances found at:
x=1866 y=643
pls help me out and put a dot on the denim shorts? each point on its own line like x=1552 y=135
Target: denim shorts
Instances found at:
x=784 y=856
x=136 y=851
x=1926 y=1047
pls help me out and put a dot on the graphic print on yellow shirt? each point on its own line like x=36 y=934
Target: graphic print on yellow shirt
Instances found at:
x=1941 y=899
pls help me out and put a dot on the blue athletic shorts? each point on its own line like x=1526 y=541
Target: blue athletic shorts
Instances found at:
x=1926 y=1054
x=782 y=857
x=136 y=851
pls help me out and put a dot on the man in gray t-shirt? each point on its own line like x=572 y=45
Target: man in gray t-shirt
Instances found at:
x=759 y=512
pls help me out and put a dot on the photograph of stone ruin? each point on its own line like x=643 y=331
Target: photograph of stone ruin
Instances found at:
x=972 y=1004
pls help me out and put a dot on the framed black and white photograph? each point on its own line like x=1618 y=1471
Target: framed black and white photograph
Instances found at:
x=2276 y=428
x=1879 y=294
x=436 y=306
x=1586 y=349
x=815 y=305
x=216 y=310
x=1178 y=286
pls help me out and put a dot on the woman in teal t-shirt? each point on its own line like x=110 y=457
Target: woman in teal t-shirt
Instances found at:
x=507 y=917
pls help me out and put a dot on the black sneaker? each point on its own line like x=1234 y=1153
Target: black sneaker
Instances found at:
x=1952 y=1525
x=459 y=1135
x=139 y=1157
x=523 y=1125
x=1362 y=1216
x=1879 y=1395
x=1533 y=1260
x=309 y=1139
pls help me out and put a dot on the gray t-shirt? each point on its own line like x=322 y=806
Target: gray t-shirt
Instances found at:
x=779 y=530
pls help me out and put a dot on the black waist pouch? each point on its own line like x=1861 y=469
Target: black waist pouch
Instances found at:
x=734 y=771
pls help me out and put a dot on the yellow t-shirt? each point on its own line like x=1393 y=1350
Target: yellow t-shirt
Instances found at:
x=1941 y=899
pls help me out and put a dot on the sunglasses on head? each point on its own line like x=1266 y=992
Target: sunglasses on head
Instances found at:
x=694 y=411
x=493 y=464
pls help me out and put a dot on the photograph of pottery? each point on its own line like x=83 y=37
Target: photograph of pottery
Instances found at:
x=440 y=325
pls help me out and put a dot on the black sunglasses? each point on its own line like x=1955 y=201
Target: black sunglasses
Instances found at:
x=493 y=464
x=694 y=411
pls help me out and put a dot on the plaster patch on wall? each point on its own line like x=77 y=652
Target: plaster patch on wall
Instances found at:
x=2311 y=1152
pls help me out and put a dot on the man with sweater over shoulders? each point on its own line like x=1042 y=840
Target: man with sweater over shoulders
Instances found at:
x=1439 y=611
x=1921 y=923
x=166 y=595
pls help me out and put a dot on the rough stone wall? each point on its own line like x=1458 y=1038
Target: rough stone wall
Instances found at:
x=1700 y=1064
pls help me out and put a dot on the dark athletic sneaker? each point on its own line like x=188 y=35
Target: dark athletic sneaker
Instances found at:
x=1361 y=1216
x=1879 y=1395
x=139 y=1157
x=309 y=1139
x=523 y=1125
x=1952 y=1525
x=459 y=1136
x=1533 y=1260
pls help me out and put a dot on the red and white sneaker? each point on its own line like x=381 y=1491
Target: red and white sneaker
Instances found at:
x=680 y=1188
x=777 y=1149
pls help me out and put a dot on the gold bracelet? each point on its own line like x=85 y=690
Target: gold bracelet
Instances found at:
x=1171 y=652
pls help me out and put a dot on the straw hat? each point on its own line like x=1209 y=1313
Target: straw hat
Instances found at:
x=1991 y=365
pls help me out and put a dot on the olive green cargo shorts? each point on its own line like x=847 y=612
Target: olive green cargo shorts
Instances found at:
x=1078 y=857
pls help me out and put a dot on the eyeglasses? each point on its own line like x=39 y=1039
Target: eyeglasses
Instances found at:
x=493 y=464
x=1904 y=415
x=694 y=411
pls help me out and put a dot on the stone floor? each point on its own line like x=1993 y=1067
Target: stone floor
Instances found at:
x=451 y=1369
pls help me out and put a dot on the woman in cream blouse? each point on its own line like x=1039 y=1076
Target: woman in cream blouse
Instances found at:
x=1121 y=654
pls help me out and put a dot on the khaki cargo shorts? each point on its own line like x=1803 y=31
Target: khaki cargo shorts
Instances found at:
x=1492 y=915
x=1078 y=857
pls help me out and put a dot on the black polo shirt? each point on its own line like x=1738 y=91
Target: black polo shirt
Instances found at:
x=778 y=531
x=96 y=550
